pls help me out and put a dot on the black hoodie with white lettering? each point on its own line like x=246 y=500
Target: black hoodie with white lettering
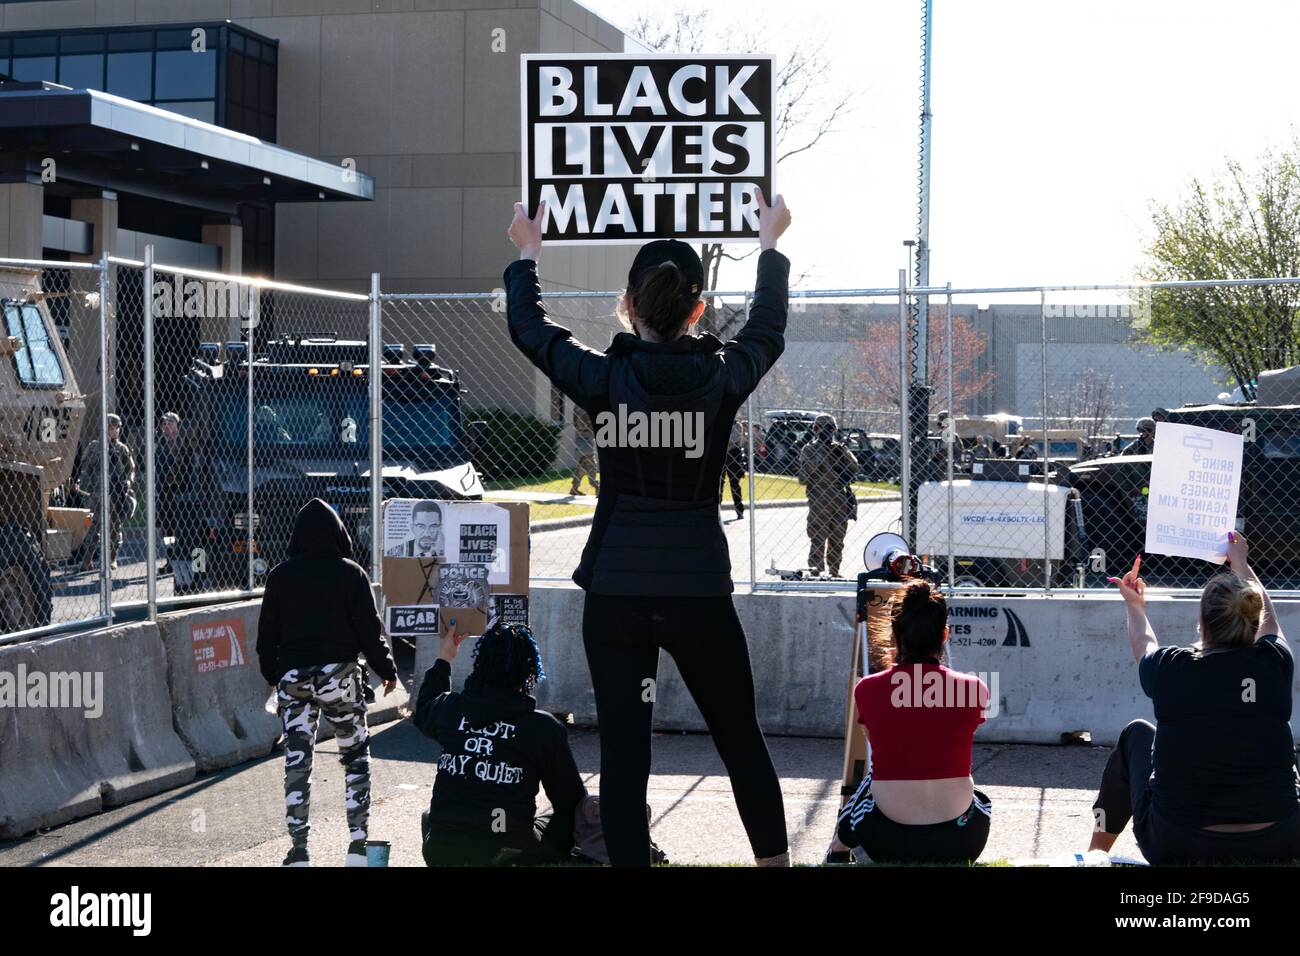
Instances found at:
x=318 y=607
x=497 y=750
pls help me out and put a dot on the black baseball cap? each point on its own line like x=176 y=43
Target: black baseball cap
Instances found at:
x=683 y=255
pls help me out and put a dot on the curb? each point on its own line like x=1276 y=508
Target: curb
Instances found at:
x=578 y=521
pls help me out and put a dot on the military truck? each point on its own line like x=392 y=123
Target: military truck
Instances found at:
x=41 y=416
x=311 y=439
x=1114 y=490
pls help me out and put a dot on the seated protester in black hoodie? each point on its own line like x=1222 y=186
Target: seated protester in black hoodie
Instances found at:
x=497 y=748
x=318 y=613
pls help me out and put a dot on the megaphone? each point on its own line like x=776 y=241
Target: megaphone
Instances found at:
x=884 y=550
x=887 y=558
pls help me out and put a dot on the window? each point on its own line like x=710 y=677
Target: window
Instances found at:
x=130 y=75
x=82 y=71
x=35 y=360
x=185 y=75
x=35 y=68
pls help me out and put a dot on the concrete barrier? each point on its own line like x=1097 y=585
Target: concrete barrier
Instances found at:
x=115 y=744
x=1061 y=663
x=800 y=645
x=218 y=694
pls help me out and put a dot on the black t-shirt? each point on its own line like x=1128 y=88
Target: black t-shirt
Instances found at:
x=1223 y=751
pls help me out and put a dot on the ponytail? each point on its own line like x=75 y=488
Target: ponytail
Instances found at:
x=662 y=299
x=918 y=621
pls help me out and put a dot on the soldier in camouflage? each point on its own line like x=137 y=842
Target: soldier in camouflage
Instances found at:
x=826 y=466
x=121 y=502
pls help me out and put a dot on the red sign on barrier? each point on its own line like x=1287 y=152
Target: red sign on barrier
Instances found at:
x=218 y=645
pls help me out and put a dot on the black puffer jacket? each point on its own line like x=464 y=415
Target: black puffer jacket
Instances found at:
x=318 y=607
x=657 y=529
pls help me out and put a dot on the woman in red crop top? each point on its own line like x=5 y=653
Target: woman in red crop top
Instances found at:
x=918 y=802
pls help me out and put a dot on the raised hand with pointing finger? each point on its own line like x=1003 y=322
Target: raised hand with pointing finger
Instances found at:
x=1132 y=587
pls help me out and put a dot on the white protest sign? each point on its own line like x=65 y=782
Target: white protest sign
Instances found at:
x=625 y=148
x=1192 y=495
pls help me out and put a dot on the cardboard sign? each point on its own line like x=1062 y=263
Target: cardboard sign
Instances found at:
x=411 y=620
x=1192 y=494
x=625 y=148
x=487 y=541
x=218 y=645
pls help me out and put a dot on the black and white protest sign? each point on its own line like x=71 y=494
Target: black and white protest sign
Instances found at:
x=412 y=620
x=625 y=148
x=509 y=609
x=478 y=542
x=1193 y=491
x=463 y=586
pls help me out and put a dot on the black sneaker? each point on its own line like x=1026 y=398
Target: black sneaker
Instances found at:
x=356 y=854
x=296 y=857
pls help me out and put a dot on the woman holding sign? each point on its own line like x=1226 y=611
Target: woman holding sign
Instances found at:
x=1215 y=780
x=656 y=567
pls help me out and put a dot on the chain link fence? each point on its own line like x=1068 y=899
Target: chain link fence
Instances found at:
x=1001 y=440
x=1041 y=477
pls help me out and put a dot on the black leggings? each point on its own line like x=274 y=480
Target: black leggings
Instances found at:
x=1126 y=794
x=623 y=636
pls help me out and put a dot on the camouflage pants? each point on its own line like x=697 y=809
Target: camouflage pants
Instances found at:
x=305 y=694
x=826 y=530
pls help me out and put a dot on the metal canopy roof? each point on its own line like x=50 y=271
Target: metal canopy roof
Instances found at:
x=105 y=141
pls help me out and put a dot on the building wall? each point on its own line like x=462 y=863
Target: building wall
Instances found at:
x=421 y=94
x=827 y=344
x=424 y=96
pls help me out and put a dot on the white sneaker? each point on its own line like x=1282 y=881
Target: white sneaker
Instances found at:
x=356 y=854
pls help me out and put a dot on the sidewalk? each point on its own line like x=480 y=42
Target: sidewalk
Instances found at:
x=1042 y=799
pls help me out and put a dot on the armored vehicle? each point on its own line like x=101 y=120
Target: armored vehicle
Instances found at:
x=41 y=416
x=310 y=437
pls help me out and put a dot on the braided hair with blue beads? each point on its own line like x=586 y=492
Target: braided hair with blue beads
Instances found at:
x=507 y=658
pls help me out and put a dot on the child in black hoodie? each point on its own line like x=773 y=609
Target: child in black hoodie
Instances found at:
x=318 y=613
x=497 y=748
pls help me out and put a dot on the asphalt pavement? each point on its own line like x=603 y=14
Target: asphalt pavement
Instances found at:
x=1041 y=795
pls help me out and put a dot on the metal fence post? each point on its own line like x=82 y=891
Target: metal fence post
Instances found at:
x=105 y=518
x=904 y=432
x=254 y=307
x=753 y=502
x=1047 y=451
x=376 y=428
x=949 y=439
x=150 y=445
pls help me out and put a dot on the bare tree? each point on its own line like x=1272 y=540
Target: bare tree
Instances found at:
x=1089 y=402
x=808 y=108
x=877 y=373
